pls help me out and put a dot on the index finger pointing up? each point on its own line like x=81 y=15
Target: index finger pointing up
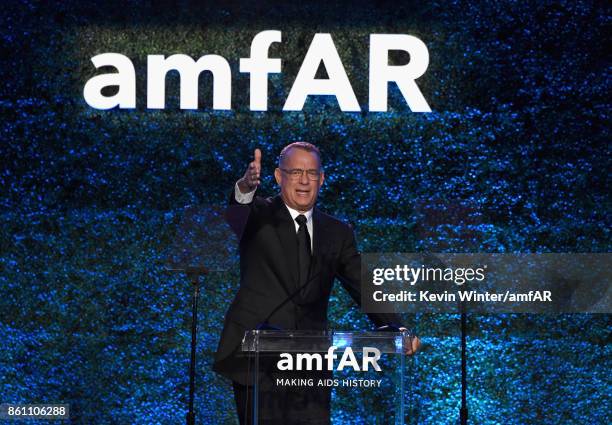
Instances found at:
x=258 y=156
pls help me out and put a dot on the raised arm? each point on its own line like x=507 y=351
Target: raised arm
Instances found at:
x=252 y=176
x=242 y=196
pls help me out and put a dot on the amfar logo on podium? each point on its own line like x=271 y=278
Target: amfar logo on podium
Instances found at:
x=314 y=361
x=258 y=66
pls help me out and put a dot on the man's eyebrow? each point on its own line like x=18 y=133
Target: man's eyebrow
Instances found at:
x=307 y=169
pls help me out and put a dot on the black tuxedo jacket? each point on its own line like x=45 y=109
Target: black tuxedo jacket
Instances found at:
x=268 y=275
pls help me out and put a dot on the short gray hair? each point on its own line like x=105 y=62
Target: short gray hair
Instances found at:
x=308 y=147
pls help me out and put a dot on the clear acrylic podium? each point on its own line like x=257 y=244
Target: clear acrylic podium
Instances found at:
x=358 y=396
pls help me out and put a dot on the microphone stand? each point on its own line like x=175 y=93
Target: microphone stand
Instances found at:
x=193 y=273
x=265 y=325
x=463 y=411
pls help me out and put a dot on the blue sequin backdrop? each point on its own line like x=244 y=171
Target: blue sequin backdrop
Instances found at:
x=515 y=157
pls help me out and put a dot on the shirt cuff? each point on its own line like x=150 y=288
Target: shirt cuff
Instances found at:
x=243 y=198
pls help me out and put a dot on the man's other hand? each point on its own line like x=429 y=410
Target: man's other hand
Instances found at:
x=412 y=343
x=251 y=178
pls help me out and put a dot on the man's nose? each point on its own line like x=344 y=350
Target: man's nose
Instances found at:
x=304 y=178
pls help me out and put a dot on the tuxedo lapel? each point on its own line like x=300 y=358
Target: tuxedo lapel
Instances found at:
x=320 y=242
x=316 y=233
x=285 y=230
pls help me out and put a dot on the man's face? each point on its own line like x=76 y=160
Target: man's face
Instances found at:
x=299 y=191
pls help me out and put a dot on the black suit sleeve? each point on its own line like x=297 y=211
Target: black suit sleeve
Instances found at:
x=237 y=214
x=349 y=274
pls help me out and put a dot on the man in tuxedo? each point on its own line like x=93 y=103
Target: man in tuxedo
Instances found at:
x=290 y=254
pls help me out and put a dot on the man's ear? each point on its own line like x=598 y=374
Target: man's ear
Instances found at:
x=321 y=179
x=277 y=176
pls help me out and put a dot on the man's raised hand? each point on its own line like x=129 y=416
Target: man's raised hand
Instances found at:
x=251 y=178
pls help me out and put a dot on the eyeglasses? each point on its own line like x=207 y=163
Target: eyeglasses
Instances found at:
x=296 y=173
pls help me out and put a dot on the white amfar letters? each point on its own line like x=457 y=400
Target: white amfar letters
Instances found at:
x=124 y=78
x=259 y=66
x=314 y=361
x=158 y=67
x=322 y=49
x=381 y=73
